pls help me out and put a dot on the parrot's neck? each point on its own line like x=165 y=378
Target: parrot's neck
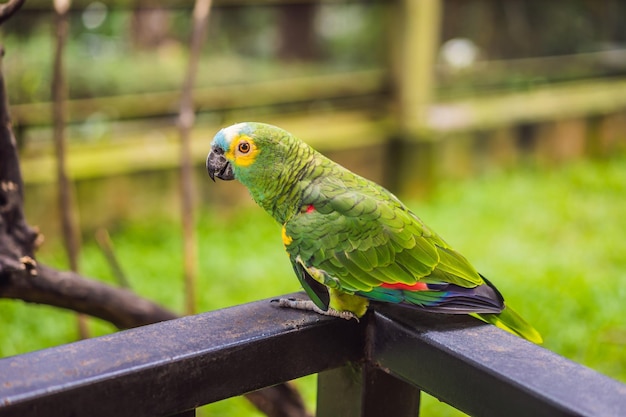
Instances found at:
x=281 y=195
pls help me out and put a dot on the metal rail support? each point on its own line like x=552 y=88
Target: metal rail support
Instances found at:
x=173 y=367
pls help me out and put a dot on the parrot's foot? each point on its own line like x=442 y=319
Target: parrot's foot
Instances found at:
x=309 y=305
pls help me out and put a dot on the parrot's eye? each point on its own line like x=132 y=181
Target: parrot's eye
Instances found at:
x=243 y=147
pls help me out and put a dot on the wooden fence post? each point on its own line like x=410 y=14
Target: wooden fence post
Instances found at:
x=414 y=45
x=417 y=37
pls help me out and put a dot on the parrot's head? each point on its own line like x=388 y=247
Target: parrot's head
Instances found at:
x=231 y=146
x=262 y=157
x=248 y=151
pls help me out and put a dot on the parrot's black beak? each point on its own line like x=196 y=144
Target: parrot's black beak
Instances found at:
x=218 y=166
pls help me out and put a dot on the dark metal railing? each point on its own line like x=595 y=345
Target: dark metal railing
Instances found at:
x=173 y=367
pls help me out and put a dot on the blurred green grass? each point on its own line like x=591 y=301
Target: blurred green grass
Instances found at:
x=553 y=241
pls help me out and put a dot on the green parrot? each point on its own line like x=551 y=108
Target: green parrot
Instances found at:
x=349 y=240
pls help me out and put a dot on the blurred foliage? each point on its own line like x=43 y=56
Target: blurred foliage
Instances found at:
x=242 y=47
x=104 y=58
x=520 y=29
x=551 y=240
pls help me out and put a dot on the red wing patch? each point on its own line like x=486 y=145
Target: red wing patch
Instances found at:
x=418 y=286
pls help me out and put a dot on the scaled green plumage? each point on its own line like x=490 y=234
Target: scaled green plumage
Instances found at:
x=351 y=236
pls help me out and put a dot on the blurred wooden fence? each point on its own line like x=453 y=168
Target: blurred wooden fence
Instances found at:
x=397 y=107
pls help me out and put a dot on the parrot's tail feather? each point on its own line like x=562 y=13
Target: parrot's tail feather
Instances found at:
x=441 y=298
x=484 y=302
x=512 y=322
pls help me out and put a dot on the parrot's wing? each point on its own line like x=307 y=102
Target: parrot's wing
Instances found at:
x=360 y=240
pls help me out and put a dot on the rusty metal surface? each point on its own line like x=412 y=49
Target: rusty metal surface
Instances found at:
x=484 y=371
x=173 y=366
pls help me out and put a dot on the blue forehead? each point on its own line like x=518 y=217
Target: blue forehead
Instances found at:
x=220 y=140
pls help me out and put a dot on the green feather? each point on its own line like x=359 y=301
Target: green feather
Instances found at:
x=512 y=322
x=457 y=268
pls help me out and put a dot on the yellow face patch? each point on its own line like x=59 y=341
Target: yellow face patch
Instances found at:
x=242 y=151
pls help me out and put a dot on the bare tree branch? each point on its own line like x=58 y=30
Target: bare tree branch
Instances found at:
x=22 y=278
x=69 y=290
x=9 y=8
x=18 y=241
x=282 y=400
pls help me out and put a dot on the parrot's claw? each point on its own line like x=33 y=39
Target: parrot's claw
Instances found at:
x=309 y=305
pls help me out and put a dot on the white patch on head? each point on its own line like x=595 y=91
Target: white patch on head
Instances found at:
x=231 y=132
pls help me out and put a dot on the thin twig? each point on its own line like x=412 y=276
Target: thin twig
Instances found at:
x=68 y=213
x=185 y=123
x=106 y=246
